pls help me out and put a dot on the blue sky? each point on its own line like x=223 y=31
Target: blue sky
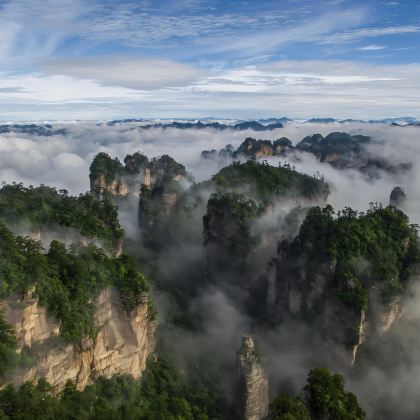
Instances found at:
x=190 y=58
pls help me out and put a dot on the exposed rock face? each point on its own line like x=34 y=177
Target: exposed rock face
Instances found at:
x=147 y=178
x=159 y=198
x=255 y=148
x=252 y=382
x=110 y=176
x=397 y=197
x=383 y=316
x=30 y=321
x=122 y=345
x=121 y=186
x=311 y=290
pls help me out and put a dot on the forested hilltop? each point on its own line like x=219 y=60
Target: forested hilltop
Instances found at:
x=147 y=323
x=32 y=210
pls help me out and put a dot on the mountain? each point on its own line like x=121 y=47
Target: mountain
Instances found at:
x=340 y=150
x=198 y=125
x=321 y=120
x=397 y=120
x=33 y=129
x=124 y=121
x=318 y=277
x=75 y=312
x=282 y=120
x=253 y=257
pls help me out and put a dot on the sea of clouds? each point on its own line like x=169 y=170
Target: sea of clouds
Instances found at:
x=63 y=161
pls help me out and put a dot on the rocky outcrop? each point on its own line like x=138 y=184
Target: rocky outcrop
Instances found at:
x=313 y=291
x=252 y=386
x=340 y=150
x=159 y=197
x=121 y=186
x=121 y=346
x=29 y=320
x=228 y=238
x=397 y=197
x=108 y=175
x=255 y=148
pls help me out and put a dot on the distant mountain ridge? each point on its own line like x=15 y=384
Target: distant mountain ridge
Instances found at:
x=389 y=121
x=263 y=124
x=259 y=125
x=39 y=130
x=245 y=125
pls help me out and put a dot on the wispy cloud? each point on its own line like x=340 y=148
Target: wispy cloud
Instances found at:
x=143 y=74
x=358 y=34
x=392 y=3
x=372 y=47
x=309 y=31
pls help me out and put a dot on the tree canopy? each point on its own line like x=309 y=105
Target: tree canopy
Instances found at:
x=378 y=248
x=45 y=207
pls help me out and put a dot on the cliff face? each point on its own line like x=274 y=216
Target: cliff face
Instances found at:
x=227 y=234
x=110 y=175
x=120 y=186
x=252 y=383
x=313 y=293
x=122 y=345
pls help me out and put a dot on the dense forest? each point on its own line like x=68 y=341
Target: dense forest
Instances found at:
x=223 y=213
x=382 y=237
x=66 y=280
x=43 y=207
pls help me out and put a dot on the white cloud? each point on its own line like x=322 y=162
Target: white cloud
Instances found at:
x=144 y=74
x=392 y=3
x=341 y=89
x=34 y=29
x=372 y=47
x=358 y=34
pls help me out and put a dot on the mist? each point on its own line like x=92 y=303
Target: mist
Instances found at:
x=63 y=161
x=291 y=350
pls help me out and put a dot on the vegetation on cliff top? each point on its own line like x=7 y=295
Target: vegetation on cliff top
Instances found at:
x=7 y=347
x=157 y=202
x=285 y=407
x=324 y=398
x=166 y=167
x=227 y=222
x=377 y=248
x=104 y=165
x=45 y=207
x=112 y=168
x=163 y=393
x=264 y=182
x=327 y=397
x=67 y=280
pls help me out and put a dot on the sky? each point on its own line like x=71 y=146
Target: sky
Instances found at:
x=74 y=59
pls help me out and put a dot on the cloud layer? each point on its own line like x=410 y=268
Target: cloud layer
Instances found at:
x=84 y=60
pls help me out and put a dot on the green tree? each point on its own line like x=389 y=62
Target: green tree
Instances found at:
x=327 y=398
x=7 y=346
x=285 y=407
